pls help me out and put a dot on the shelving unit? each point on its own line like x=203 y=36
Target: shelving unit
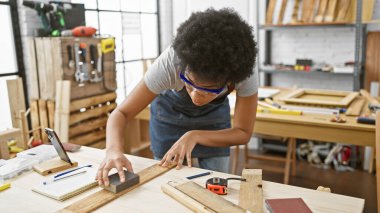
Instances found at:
x=360 y=44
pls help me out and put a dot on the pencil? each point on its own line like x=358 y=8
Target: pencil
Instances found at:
x=198 y=175
x=280 y=111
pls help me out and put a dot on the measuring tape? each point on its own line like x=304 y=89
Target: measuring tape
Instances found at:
x=219 y=185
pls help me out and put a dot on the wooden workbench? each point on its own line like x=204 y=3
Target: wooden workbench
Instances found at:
x=150 y=198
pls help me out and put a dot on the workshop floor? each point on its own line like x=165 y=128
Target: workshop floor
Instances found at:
x=359 y=183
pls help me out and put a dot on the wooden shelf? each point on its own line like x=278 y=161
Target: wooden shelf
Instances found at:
x=303 y=72
x=307 y=25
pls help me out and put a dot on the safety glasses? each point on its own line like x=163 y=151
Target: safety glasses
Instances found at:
x=213 y=91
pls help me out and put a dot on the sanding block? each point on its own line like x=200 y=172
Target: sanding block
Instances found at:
x=116 y=186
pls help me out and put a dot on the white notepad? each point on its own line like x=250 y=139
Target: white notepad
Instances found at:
x=68 y=187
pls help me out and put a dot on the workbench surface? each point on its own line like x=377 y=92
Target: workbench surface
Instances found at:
x=150 y=198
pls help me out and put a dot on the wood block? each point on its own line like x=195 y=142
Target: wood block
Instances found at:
x=101 y=198
x=23 y=142
x=251 y=190
x=344 y=5
x=282 y=12
x=35 y=118
x=53 y=165
x=16 y=100
x=321 y=11
x=270 y=11
x=295 y=12
x=116 y=186
x=198 y=198
x=331 y=11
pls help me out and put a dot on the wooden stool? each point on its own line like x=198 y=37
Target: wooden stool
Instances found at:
x=288 y=160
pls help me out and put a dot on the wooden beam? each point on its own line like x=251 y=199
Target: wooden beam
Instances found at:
x=91 y=101
x=50 y=111
x=23 y=143
x=96 y=112
x=251 y=190
x=43 y=119
x=89 y=138
x=35 y=118
x=88 y=126
x=62 y=110
x=31 y=60
x=101 y=198
x=198 y=198
x=16 y=100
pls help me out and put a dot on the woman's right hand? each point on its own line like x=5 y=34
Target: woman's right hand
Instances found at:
x=113 y=159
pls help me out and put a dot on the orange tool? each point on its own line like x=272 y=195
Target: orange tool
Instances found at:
x=219 y=185
x=81 y=31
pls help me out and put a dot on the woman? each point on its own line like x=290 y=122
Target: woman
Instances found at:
x=212 y=54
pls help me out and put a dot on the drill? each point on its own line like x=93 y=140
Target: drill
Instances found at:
x=52 y=25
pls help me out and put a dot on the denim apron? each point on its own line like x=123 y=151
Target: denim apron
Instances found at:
x=173 y=114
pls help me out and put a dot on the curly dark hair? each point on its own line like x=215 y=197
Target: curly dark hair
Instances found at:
x=216 y=45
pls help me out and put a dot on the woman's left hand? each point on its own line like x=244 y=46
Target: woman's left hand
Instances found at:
x=183 y=147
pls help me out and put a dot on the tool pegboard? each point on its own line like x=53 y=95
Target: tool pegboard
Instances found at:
x=89 y=63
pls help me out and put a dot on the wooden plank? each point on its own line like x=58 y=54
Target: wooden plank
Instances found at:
x=321 y=11
x=42 y=106
x=356 y=106
x=307 y=10
x=251 y=190
x=96 y=112
x=62 y=110
x=16 y=99
x=101 y=198
x=49 y=93
x=198 y=198
x=270 y=11
x=295 y=12
x=377 y=148
x=4 y=150
x=88 y=126
x=344 y=5
x=282 y=12
x=91 y=101
x=89 y=138
x=331 y=11
x=372 y=62
x=23 y=143
x=31 y=60
x=35 y=119
x=56 y=64
x=50 y=110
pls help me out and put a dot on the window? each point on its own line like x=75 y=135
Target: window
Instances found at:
x=134 y=24
x=11 y=58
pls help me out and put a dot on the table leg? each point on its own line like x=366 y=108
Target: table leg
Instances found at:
x=294 y=156
x=235 y=160
x=288 y=160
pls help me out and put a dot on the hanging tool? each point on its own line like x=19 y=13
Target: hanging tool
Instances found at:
x=219 y=185
x=81 y=31
x=108 y=45
x=85 y=69
x=95 y=72
x=81 y=74
x=71 y=63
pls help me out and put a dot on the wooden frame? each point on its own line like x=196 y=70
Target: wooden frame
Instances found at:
x=323 y=97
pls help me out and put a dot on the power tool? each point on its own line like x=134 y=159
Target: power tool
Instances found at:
x=219 y=185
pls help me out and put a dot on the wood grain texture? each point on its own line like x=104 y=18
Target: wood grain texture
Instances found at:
x=331 y=11
x=198 y=198
x=307 y=10
x=321 y=11
x=51 y=110
x=35 y=119
x=356 y=107
x=16 y=99
x=295 y=11
x=377 y=150
x=282 y=12
x=91 y=101
x=101 y=198
x=31 y=60
x=91 y=113
x=62 y=110
x=270 y=11
x=42 y=106
x=251 y=190
x=372 y=62
x=344 y=6
x=88 y=126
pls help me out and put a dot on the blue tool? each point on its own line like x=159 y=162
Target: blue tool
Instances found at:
x=63 y=173
x=198 y=175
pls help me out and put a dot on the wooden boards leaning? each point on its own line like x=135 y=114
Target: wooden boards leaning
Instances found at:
x=198 y=198
x=251 y=190
x=101 y=198
x=320 y=97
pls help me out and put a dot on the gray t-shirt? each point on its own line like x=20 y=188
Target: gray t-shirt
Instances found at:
x=163 y=75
